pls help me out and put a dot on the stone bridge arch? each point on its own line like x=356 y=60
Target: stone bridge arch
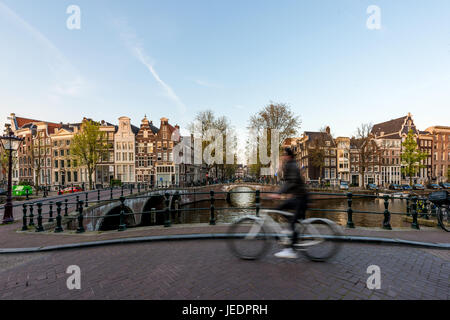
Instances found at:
x=111 y=220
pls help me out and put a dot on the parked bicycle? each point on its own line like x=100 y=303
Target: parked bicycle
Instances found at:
x=250 y=236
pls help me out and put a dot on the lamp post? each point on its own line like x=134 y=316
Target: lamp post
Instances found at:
x=10 y=143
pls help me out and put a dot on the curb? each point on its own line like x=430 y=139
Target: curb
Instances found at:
x=357 y=239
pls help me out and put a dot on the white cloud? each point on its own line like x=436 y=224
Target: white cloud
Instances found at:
x=135 y=46
x=68 y=81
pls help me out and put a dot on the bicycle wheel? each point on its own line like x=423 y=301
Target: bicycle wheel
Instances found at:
x=443 y=216
x=248 y=239
x=318 y=239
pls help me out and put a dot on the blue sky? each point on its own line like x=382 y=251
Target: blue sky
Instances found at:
x=175 y=58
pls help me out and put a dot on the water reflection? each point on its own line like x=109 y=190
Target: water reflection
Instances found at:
x=233 y=210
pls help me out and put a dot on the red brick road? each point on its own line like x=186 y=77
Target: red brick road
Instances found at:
x=206 y=270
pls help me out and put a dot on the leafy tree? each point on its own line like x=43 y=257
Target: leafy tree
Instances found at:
x=316 y=153
x=411 y=156
x=88 y=146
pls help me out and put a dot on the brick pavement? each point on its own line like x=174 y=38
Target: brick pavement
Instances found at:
x=207 y=270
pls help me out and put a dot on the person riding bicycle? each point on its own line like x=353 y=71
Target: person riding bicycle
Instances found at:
x=295 y=187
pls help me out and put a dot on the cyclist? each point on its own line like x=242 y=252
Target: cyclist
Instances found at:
x=297 y=198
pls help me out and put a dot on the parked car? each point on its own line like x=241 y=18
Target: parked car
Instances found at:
x=343 y=185
x=69 y=190
x=372 y=186
x=394 y=186
x=445 y=185
x=21 y=190
x=406 y=187
x=418 y=186
x=3 y=192
x=434 y=186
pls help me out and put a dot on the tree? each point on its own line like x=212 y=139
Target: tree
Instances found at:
x=369 y=151
x=316 y=152
x=205 y=122
x=274 y=116
x=411 y=156
x=88 y=146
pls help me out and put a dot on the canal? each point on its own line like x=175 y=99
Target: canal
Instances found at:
x=227 y=212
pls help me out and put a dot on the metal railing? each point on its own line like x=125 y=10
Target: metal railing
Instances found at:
x=415 y=206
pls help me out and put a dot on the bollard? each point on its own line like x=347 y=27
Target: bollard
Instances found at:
x=80 y=228
x=58 y=218
x=98 y=195
x=257 y=202
x=39 y=228
x=31 y=215
x=24 y=226
x=111 y=193
x=167 y=221
x=212 y=220
x=50 y=212
x=415 y=224
x=45 y=192
x=387 y=214
x=350 y=223
x=153 y=216
x=122 y=225
x=86 y=204
x=66 y=209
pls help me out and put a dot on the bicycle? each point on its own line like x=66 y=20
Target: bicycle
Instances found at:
x=441 y=199
x=255 y=232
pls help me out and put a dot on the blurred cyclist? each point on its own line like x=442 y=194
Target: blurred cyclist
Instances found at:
x=297 y=198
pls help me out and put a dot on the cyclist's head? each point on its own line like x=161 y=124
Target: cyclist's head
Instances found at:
x=288 y=153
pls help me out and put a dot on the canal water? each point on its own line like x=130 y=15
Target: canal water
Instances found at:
x=227 y=212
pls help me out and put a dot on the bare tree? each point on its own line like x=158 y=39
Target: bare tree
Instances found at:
x=369 y=152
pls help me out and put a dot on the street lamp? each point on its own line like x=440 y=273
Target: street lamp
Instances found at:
x=10 y=144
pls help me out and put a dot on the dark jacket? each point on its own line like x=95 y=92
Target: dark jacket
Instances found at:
x=293 y=181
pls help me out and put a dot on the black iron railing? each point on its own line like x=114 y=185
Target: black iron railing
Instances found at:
x=415 y=206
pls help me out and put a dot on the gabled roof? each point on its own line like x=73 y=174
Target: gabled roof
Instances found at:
x=313 y=135
x=389 y=127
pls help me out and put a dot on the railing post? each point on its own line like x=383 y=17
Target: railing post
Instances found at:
x=153 y=216
x=408 y=206
x=415 y=224
x=387 y=214
x=39 y=228
x=167 y=222
x=80 y=228
x=122 y=225
x=24 y=226
x=212 y=220
x=50 y=212
x=176 y=206
x=27 y=194
x=98 y=195
x=78 y=202
x=31 y=215
x=139 y=187
x=257 y=201
x=111 y=193
x=131 y=188
x=87 y=201
x=66 y=209
x=121 y=190
x=58 y=218
x=350 y=223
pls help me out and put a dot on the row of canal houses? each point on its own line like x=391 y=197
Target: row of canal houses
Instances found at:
x=382 y=166
x=136 y=155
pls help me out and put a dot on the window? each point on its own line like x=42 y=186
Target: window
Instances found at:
x=124 y=156
x=61 y=153
x=56 y=163
x=75 y=176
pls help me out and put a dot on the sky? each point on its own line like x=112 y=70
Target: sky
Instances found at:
x=175 y=58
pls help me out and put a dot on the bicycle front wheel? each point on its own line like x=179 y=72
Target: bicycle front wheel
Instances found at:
x=318 y=239
x=248 y=239
x=443 y=216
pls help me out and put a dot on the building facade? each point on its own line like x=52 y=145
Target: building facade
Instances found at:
x=124 y=150
x=440 y=153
